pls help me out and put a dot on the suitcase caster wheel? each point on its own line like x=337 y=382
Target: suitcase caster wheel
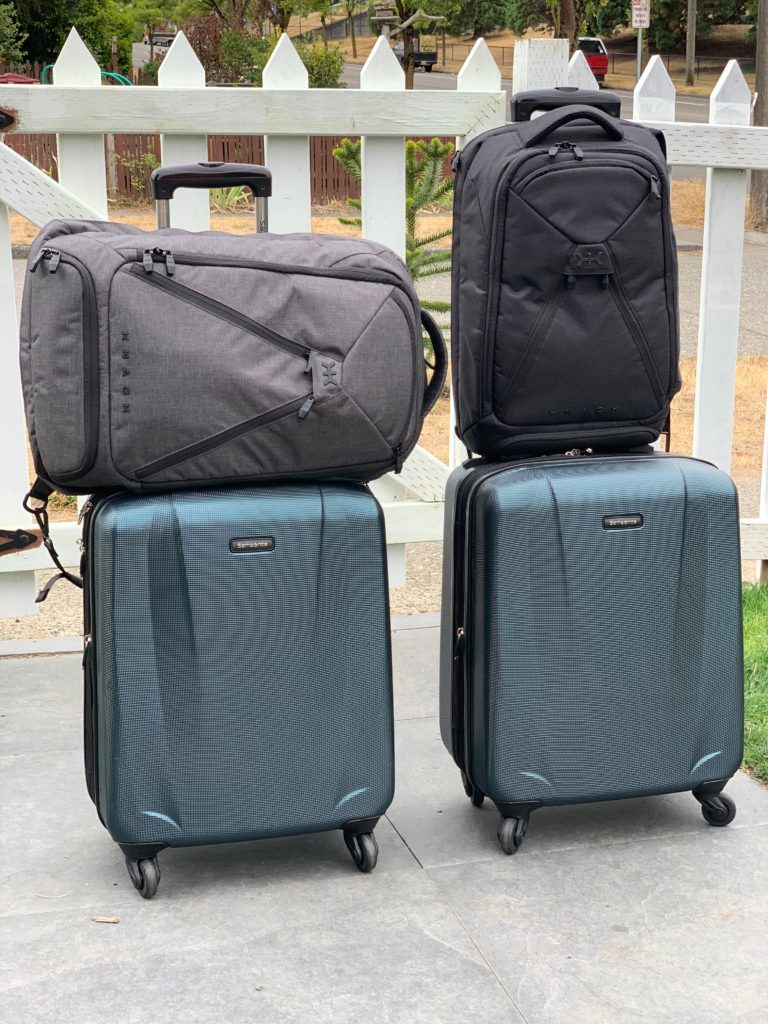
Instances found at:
x=474 y=794
x=145 y=875
x=718 y=810
x=364 y=850
x=511 y=833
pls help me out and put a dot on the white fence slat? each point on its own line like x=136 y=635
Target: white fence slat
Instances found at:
x=539 y=64
x=189 y=208
x=654 y=95
x=17 y=593
x=383 y=160
x=721 y=284
x=221 y=111
x=287 y=156
x=580 y=73
x=81 y=161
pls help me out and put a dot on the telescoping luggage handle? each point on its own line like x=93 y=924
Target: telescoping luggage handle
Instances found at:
x=524 y=104
x=165 y=181
x=538 y=130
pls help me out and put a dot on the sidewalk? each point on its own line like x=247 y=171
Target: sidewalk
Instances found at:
x=610 y=914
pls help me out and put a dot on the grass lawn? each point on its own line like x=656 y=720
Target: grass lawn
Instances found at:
x=756 y=681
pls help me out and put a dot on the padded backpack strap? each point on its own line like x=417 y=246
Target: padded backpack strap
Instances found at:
x=440 y=367
x=36 y=503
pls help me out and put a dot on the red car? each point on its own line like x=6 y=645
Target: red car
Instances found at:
x=597 y=56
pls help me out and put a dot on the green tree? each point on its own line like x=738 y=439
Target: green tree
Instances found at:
x=425 y=185
x=150 y=18
x=605 y=17
x=478 y=17
x=47 y=25
x=405 y=10
x=12 y=37
x=524 y=14
x=669 y=20
x=324 y=65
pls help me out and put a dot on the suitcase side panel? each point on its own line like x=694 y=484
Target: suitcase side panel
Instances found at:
x=243 y=679
x=605 y=663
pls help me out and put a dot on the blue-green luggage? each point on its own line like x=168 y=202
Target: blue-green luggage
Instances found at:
x=238 y=668
x=591 y=635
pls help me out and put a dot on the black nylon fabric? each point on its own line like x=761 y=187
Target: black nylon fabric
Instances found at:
x=564 y=298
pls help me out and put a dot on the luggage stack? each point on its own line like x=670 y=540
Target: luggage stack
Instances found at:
x=224 y=402
x=591 y=642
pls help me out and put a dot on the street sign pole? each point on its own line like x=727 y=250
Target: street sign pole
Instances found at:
x=641 y=18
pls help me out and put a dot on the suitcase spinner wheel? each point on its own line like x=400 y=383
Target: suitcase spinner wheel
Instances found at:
x=145 y=875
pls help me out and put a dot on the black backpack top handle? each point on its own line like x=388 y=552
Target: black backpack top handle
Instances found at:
x=536 y=131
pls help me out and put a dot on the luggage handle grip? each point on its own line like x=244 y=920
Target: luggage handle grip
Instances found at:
x=211 y=174
x=548 y=123
x=435 y=386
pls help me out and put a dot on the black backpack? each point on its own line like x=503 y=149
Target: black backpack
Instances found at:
x=564 y=327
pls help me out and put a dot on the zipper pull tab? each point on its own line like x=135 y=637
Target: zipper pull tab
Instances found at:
x=53 y=266
x=170 y=263
x=458 y=646
x=37 y=260
x=553 y=151
x=304 y=410
x=398 y=453
x=605 y=282
x=578 y=152
x=146 y=261
x=655 y=186
x=456 y=161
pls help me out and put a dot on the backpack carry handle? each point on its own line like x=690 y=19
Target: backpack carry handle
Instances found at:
x=538 y=130
x=439 y=370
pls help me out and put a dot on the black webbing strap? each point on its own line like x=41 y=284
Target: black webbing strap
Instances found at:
x=16 y=540
x=667 y=432
x=36 y=503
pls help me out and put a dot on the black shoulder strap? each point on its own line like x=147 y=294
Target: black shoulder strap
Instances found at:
x=36 y=503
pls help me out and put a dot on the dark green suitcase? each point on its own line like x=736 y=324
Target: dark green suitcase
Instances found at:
x=238 y=668
x=591 y=636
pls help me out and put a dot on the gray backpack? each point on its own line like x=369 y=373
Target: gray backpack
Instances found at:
x=564 y=308
x=172 y=359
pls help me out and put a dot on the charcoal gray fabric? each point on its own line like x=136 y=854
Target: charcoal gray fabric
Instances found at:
x=564 y=306
x=173 y=358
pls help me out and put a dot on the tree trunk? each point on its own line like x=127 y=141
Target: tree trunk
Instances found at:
x=758 y=192
x=568 y=23
x=325 y=30
x=408 y=57
x=690 y=42
x=353 y=39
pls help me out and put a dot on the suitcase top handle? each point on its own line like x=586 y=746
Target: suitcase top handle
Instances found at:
x=165 y=180
x=538 y=130
x=524 y=104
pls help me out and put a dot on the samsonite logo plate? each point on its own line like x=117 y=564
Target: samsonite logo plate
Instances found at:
x=627 y=522
x=241 y=545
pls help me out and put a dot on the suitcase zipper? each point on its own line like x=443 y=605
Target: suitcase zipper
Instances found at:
x=222 y=311
x=224 y=436
x=90 y=355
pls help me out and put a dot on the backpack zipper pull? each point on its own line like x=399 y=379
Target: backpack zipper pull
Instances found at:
x=53 y=266
x=146 y=261
x=170 y=263
x=578 y=152
x=39 y=258
x=398 y=453
x=655 y=186
x=456 y=161
x=304 y=410
x=553 y=151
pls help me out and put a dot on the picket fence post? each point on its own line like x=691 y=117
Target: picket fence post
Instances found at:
x=383 y=158
x=181 y=68
x=17 y=589
x=580 y=73
x=654 y=95
x=720 y=283
x=81 y=159
x=287 y=156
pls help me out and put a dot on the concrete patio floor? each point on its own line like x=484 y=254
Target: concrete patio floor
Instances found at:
x=610 y=913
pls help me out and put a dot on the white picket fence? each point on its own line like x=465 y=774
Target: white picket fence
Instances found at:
x=184 y=111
